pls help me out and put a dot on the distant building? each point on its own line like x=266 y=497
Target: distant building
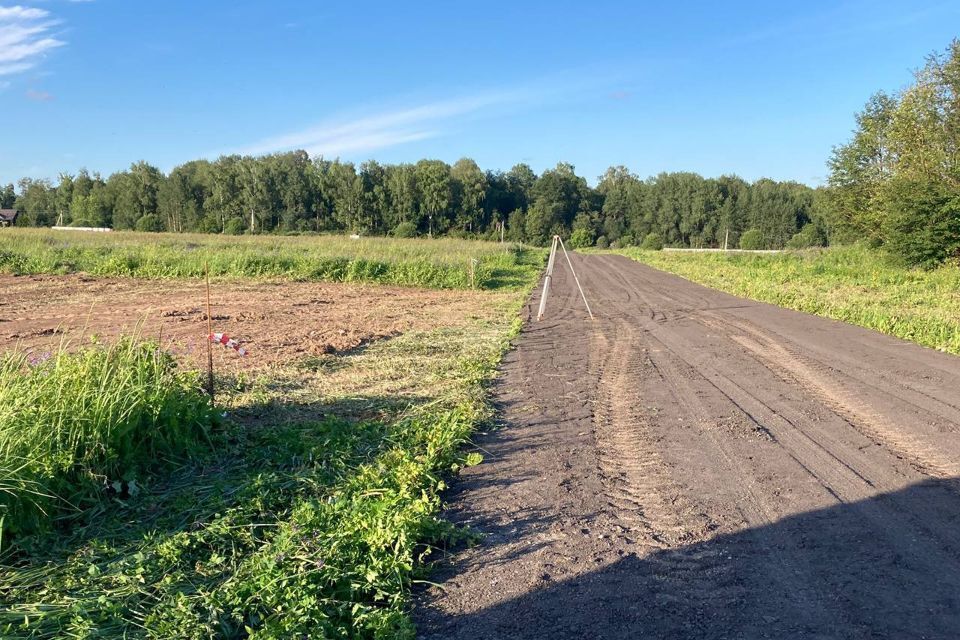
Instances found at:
x=8 y=217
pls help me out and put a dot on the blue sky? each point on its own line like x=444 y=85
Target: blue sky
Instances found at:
x=752 y=88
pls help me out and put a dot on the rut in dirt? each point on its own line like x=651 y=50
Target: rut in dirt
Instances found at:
x=696 y=465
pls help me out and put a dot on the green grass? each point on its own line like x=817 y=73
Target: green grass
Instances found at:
x=440 y=263
x=73 y=422
x=312 y=516
x=852 y=284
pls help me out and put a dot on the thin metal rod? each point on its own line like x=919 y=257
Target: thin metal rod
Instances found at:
x=206 y=273
x=575 y=278
x=546 y=280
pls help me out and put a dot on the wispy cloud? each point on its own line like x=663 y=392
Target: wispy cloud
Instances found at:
x=39 y=96
x=385 y=128
x=25 y=37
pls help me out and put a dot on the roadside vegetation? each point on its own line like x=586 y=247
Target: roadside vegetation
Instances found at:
x=310 y=513
x=441 y=263
x=855 y=284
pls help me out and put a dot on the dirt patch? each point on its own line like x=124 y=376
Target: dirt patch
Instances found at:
x=695 y=465
x=278 y=322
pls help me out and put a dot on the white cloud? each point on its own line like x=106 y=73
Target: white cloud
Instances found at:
x=380 y=130
x=22 y=13
x=25 y=37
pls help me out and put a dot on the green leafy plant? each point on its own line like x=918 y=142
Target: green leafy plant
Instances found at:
x=405 y=230
x=652 y=242
x=752 y=239
x=807 y=237
x=581 y=238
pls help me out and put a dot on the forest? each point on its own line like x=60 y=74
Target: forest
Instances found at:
x=292 y=193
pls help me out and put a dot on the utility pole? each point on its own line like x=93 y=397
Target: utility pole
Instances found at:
x=726 y=239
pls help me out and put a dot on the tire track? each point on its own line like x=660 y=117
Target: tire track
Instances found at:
x=797 y=369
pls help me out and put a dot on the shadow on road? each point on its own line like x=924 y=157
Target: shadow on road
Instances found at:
x=886 y=567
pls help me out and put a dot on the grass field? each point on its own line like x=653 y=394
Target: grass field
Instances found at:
x=443 y=263
x=853 y=284
x=313 y=508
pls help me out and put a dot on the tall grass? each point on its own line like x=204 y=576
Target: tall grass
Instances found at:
x=72 y=422
x=854 y=284
x=441 y=263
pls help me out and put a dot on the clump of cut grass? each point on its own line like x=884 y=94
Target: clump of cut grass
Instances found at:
x=73 y=421
x=440 y=263
x=854 y=284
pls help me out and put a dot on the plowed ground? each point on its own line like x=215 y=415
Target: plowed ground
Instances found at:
x=278 y=322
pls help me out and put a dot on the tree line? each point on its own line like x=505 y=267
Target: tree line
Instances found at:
x=292 y=193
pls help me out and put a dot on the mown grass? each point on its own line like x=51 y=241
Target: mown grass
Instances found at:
x=439 y=263
x=853 y=284
x=76 y=423
x=311 y=517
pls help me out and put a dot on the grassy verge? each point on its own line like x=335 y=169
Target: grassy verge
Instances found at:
x=440 y=263
x=853 y=284
x=74 y=423
x=310 y=517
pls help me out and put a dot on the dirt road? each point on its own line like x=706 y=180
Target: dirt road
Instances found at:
x=695 y=465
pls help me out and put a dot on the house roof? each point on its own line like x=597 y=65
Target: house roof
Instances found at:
x=8 y=214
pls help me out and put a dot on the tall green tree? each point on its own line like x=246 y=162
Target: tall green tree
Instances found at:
x=36 y=202
x=436 y=195
x=8 y=197
x=401 y=183
x=897 y=181
x=376 y=201
x=470 y=187
x=63 y=198
x=859 y=169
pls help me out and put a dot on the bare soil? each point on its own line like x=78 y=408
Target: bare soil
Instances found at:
x=278 y=322
x=695 y=465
